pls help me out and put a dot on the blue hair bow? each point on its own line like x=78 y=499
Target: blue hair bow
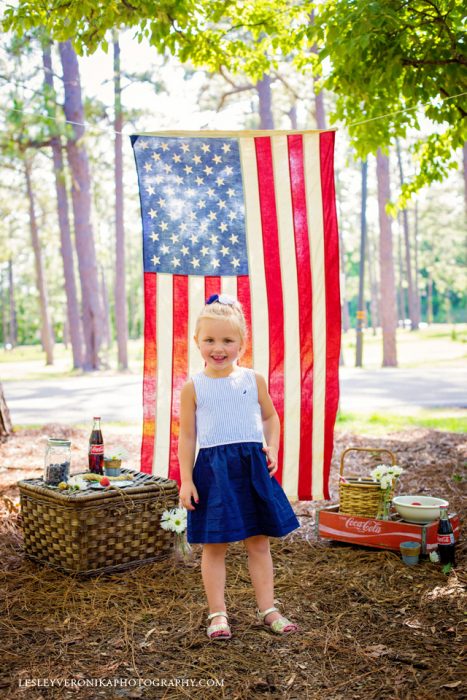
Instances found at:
x=221 y=299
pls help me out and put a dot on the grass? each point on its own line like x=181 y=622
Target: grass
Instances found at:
x=454 y=421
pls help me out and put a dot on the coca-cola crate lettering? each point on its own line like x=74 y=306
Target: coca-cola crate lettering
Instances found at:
x=382 y=534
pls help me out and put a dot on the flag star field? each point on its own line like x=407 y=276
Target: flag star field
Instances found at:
x=192 y=205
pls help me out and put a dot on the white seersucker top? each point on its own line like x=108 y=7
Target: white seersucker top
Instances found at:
x=227 y=408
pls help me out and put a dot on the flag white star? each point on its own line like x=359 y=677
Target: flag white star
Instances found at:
x=144 y=145
x=235 y=262
x=158 y=179
x=205 y=148
x=155 y=260
x=147 y=167
x=194 y=238
x=176 y=158
x=150 y=190
x=230 y=192
x=168 y=168
x=226 y=147
x=152 y=213
x=199 y=180
x=223 y=227
x=185 y=147
x=203 y=226
x=215 y=263
x=156 y=156
x=196 y=159
x=165 y=146
x=204 y=250
x=154 y=236
x=211 y=192
x=201 y=204
x=165 y=249
x=190 y=192
x=161 y=202
x=220 y=181
x=212 y=215
x=213 y=238
x=184 y=250
x=173 y=215
x=188 y=169
x=228 y=170
x=170 y=191
x=232 y=215
x=174 y=237
x=179 y=179
x=175 y=262
x=195 y=262
x=163 y=226
x=233 y=238
x=207 y=170
x=183 y=227
x=224 y=250
x=217 y=159
x=221 y=204
x=192 y=215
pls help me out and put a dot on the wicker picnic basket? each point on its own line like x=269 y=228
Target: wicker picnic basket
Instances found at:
x=360 y=496
x=100 y=531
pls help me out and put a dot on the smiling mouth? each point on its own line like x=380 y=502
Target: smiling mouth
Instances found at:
x=219 y=359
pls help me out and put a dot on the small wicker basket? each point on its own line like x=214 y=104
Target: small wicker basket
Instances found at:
x=363 y=496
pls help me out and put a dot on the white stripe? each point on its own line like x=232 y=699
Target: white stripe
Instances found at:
x=259 y=299
x=316 y=233
x=195 y=304
x=292 y=382
x=164 y=313
x=229 y=286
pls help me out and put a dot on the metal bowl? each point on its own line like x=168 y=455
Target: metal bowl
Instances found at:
x=419 y=509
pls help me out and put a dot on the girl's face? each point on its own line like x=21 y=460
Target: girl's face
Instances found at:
x=220 y=345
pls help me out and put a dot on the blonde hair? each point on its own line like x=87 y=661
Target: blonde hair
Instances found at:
x=225 y=312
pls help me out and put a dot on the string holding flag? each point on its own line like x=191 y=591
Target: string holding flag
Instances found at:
x=251 y=214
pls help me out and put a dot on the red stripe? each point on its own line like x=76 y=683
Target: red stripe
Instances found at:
x=333 y=308
x=212 y=285
x=272 y=270
x=149 y=371
x=303 y=260
x=244 y=297
x=179 y=366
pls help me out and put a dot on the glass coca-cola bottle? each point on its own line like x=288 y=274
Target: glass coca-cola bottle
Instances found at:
x=96 y=448
x=445 y=539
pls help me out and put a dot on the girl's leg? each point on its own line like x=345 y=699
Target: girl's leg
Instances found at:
x=213 y=572
x=262 y=574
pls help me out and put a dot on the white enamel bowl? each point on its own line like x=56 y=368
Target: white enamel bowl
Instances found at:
x=418 y=509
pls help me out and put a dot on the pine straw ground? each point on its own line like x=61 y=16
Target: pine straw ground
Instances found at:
x=371 y=628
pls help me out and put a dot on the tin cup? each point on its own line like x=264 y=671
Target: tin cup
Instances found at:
x=410 y=552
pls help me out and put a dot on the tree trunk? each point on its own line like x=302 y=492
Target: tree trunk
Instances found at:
x=66 y=247
x=429 y=299
x=5 y=420
x=46 y=326
x=13 y=326
x=402 y=315
x=414 y=321
x=81 y=198
x=120 y=286
x=106 y=335
x=266 y=119
x=388 y=290
x=361 y=275
x=292 y=114
x=4 y=302
x=373 y=283
x=416 y=287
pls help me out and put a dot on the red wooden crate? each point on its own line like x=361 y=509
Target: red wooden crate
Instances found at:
x=383 y=534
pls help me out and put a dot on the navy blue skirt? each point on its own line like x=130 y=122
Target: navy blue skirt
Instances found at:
x=237 y=497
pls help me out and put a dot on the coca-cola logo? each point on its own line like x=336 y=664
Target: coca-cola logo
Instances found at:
x=370 y=526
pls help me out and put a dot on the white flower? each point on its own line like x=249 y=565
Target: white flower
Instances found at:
x=396 y=471
x=174 y=520
x=77 y=482
x=378 y=472
x=386 y=481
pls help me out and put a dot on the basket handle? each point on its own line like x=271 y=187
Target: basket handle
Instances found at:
x=365 y=449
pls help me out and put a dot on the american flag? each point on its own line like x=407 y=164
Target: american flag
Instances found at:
x=250 y=214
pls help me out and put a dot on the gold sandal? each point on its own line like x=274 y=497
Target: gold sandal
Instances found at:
x=220 y=631
x=281 y=626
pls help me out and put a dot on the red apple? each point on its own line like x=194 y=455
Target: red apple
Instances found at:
x=104 y=481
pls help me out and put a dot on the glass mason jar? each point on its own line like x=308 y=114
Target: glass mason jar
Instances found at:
x=57 y=461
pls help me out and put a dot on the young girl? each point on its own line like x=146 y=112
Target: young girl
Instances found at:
x=231 y=493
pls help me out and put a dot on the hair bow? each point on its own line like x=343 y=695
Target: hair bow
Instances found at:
x=221 y=299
